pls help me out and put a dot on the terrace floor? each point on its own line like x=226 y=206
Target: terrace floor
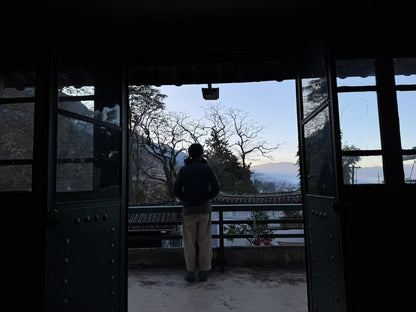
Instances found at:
x=238 y=289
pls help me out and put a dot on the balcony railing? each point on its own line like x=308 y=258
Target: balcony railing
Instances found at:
x=146 y=221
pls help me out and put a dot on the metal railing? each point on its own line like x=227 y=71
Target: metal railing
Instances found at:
x=221 y=222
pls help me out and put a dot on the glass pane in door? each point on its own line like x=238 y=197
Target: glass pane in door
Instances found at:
x=88 y=160
x=314 y=94
x=77 y=93
x=318 y=155
x=16 y=130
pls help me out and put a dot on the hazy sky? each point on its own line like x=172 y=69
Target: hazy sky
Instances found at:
x=272 y=104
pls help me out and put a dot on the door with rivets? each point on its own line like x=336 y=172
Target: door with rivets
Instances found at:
x=85 y=238
x=319 y=181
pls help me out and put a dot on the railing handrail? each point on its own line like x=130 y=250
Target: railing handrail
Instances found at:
x=221 y=207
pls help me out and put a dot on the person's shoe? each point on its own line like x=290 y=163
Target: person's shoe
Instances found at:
x=190 y=277
x=203 y=276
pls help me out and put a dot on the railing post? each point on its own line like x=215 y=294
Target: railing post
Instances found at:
x=221 y=225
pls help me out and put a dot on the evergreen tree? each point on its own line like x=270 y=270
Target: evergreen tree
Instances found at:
x=233 y=177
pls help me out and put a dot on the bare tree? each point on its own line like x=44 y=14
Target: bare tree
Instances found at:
x=193 y=130
x=164 y=136
x=239 y=131
x=220 y=126
x=247 y=137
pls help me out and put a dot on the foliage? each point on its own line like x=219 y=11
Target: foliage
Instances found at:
x=316 y=91
x=348 y=164
x=256 y=231
x=265 y=186
x=233 y=177
x=146 y=103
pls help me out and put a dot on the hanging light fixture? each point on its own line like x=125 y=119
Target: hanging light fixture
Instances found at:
x=210 y=93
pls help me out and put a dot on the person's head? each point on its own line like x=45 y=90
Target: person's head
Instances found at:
x=195 y=150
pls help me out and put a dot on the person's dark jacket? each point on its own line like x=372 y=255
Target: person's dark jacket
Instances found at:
x=196 y=184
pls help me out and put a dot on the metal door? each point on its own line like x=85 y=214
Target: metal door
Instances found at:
x=85 y=253
x=319 y=181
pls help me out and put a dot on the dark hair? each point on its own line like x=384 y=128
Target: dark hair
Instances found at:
x=195 y=151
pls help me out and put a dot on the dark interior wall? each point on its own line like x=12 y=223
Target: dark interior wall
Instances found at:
x=377 y=239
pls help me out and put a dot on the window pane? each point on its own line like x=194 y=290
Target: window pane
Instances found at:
x=314 y=93
x=84 y=108
x=318 y=152
x=75 y=82
x=74 y=155
x=16 y=178
x=409 y=169
x=405 y=71
x=88 y=161
x=16 y=131
x=363 y=169
x=358 y=115
x=406 y=101
x=101 y=103
x=75 y=138
x=74 y=177
x=107 y=162
x=355 y=73
x=17 y=84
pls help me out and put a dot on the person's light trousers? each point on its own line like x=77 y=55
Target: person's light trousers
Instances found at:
x=197 y=244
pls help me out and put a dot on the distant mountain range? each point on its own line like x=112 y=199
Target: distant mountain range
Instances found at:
x=375 y=174
x=277 y=172
x=288 y=171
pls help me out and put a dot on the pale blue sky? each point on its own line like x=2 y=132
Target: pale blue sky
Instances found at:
x=271 y=104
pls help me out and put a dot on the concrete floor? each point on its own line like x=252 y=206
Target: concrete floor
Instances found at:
x=238 y=289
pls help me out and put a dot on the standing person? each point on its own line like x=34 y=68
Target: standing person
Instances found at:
x=196 y=184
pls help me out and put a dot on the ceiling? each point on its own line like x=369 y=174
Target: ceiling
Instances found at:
x=237 y=35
